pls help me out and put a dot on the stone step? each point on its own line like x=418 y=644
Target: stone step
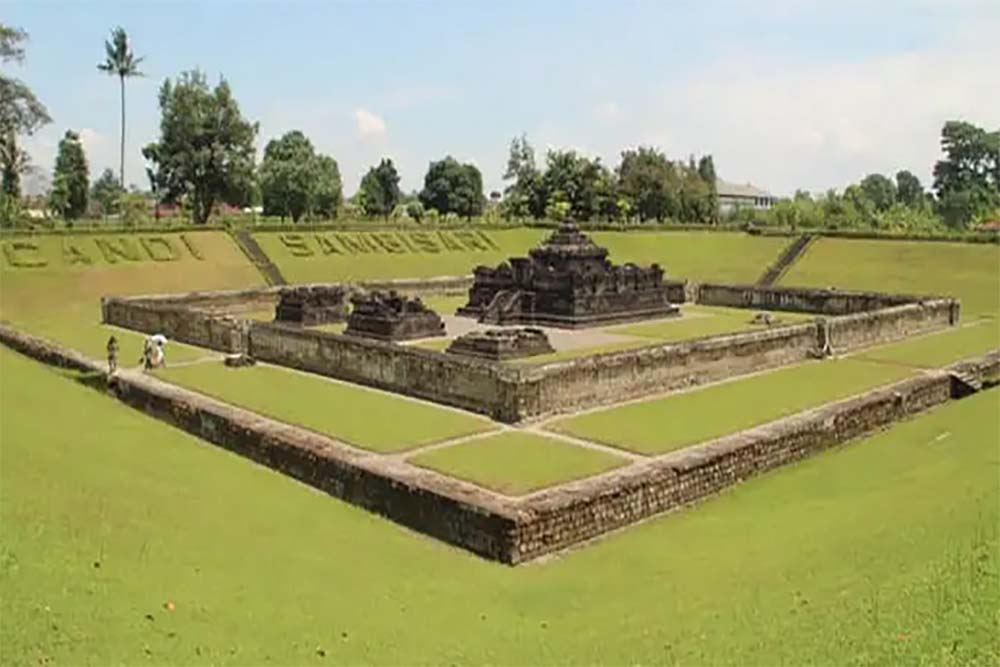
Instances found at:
x=785 y=260
x=964 y=384
x=248 y=244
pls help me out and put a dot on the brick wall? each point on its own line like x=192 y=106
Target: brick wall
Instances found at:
x=861 y=329
x=798 y=299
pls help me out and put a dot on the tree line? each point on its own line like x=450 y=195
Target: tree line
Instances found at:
x=205 y=156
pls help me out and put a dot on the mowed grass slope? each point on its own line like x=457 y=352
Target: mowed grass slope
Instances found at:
x=884 y=551
x=969 y=271
x=324 y=257
x=661 y=425
x=62 y=300
x=516 y=463
x=360 y=416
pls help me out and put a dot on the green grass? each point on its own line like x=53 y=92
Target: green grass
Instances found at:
x=881 y=552
x=516 y=463
x=700 y=321
x=703 y=256
x=735 y=257
x=665 y=424
x=363 y=417
x=969 y=271
x=940 y=349
x=320 y=267
x=63 y=302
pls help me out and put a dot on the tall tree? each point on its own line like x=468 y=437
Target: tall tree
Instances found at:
x=879 y=190
x=645 y=179
x=71 y=178
x=525 y=195
x=120 y=61
x=379 y=191
x=967 y=180
x=453 y=187
x=106 y=191
x=20 y=112
x=206 y=147
x=287 y=175
x=909 y=190
x=706 y=170
x=329 y=190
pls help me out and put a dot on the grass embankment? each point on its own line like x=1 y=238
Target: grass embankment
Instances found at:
x=969 y=271
x=367 y=418
x=517 y=463
x=665 y=424
x=332 y=256
x=60 y=296
x=881 y=552
x=939 y=349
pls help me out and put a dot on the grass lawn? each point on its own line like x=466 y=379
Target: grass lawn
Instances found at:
x=705 y=256
x=62 y=301
x=661 y=425
x=310 y=264
x=367 y=418
x=734 y=257
x=700 y=321
x=969 y=271
x=940 y=349
x=885 y=551
x=516 y=463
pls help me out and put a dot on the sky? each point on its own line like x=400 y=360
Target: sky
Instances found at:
x=785 y=95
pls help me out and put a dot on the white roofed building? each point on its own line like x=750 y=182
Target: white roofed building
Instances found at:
x=732 y=196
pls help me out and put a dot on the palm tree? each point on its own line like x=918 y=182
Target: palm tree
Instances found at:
x=120 y=61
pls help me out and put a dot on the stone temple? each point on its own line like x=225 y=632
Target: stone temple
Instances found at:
x=567 y=282
x=391 y=316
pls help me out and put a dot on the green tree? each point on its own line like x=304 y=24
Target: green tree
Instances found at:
x=329 y=191
x=20 y=113
x=288 y=176
x=583 y=183
x=206 y=149
x=706 y=170
x=879 y=190
x=909 y=190
x=71 y=178
x=967 y=180
x=525 y=196
x=645 y=177
x=106 y=191
x=379 y=191
x=453 y=187
x=120 y=61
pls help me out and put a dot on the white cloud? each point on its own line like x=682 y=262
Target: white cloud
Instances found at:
x=786 y=125
x=369 y=124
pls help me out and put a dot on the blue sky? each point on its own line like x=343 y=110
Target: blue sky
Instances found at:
x=783 y=94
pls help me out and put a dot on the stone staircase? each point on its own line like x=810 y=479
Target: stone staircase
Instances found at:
x=964 y=383
x=256 y=254
x=504 y=302
x=785 y=260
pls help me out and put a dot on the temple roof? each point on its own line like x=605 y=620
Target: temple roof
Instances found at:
x=568 y=242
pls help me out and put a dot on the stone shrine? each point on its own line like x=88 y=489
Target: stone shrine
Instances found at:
x=567 y=282
x=311 y=306
x=392 y=316
x=502 y=344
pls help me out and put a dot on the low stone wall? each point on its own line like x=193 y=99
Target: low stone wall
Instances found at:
x=518 y=530
x=799 y=299
x=576 y=512
x=471 y=384
x=862 y=329
x=607 y=378
x=184 y=324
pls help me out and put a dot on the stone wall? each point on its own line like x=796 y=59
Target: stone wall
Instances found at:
x=518 y=530
x=608 y=378
x=799 y=299
x=862 y=329
x=187 y=325
x=471 y=384
x=571 y=514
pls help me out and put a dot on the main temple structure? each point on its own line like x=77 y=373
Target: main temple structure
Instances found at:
x=567 y=282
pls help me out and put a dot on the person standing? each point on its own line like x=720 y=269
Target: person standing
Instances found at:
x=112 y=355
